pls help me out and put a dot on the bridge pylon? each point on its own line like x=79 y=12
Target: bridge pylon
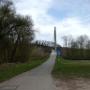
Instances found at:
x=55 y=39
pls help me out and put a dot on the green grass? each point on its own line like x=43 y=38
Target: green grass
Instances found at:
x=8 y=71
x=71 y=68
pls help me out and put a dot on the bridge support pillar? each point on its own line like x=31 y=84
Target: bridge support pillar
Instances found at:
x=55 y=42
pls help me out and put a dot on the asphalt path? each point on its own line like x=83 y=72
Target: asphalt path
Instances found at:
x=39 y=78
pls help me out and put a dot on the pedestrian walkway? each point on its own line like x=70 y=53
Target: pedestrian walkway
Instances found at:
x=37 y=79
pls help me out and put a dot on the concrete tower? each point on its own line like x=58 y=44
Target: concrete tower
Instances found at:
x=55 y=37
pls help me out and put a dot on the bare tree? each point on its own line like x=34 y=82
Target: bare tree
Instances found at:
x=82 y=41
x=88 y=44
x=67 y=40
x=74 y=44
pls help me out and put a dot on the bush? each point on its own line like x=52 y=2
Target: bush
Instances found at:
x=76 y=54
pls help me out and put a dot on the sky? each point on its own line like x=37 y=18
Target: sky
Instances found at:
x=71 y=17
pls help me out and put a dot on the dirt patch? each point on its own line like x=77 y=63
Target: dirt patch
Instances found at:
x=72 y=84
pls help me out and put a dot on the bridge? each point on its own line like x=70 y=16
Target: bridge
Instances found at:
x=49 y=45
x=46 y=43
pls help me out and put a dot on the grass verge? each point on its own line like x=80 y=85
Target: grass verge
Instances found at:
x=71 y=68
x=8 y=71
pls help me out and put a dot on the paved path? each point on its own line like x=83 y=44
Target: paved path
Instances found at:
x=37 y=79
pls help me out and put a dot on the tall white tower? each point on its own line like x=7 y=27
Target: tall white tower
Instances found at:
x=55 y=41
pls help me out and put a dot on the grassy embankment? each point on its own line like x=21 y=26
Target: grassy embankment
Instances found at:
x=8 y=71
x=71 y=68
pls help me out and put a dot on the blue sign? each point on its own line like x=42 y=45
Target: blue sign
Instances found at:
x=58 y=50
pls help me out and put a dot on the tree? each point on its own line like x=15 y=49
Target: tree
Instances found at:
x=6 y=18
x=82 y=41
x=74 y=44
x=15 y=30
x=22 y=32
x=67 y=40
x=88 y=44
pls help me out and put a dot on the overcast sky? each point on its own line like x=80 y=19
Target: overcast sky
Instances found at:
x=71 y=17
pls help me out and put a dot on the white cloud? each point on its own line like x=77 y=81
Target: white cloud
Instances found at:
x=36 y=8
x=44 y=23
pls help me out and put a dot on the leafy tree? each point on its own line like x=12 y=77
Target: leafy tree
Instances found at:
x=16 y=31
